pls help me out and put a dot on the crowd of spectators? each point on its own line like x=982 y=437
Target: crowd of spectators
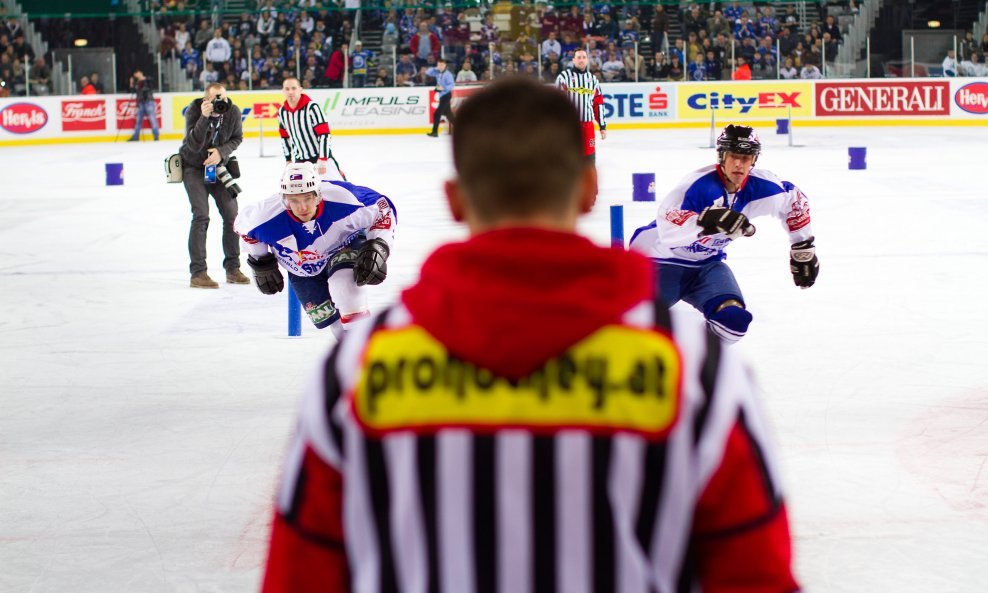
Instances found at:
x=19 y=67
x=261 y=47
x=972 y=59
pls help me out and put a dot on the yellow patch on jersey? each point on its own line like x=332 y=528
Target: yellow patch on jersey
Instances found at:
x=619 y=379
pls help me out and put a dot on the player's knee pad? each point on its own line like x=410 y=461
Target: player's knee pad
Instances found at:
x=350 y=299
x=728 y=319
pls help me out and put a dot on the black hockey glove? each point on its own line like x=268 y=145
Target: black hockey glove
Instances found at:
x=266 y=273
x=803 y=263
x=371 y=265
x=724 y=220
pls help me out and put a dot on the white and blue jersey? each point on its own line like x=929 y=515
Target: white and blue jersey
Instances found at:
x=674 y=237
x=347 y=213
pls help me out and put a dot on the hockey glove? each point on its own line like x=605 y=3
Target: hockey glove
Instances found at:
x=803 y=263
x=371 y=265
x=266 y=273
x=723 y=220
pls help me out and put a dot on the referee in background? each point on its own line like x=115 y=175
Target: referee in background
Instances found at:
x=583 y=90
x=303 y=129
x=444 y=86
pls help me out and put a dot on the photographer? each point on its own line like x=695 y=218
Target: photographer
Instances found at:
x=212 y=132
x=144 y=97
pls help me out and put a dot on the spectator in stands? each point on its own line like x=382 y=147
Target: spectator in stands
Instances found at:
x=791 y=20
x=466 y=73
x=218 y=51
x=748 y=51
x=745 y=29
x=22 y=50
x=608 y=29
x=359 y=61
x=424 y=44
x=697 y=70
x=85 y=87
x=984 y=44
x=712 y=65
x=182 y=36
x=692 y=21
x=718 y=24
x=968 y=45
x=405 y=66
x=335 y=68
x=203 y=35
x=489 y=32
x=829 y=47
x=40 y=78
x=692 y=47
x=742 y=71
x=589 y=24
x=810 y=71
x=767 y=25
x=974 y=66
x=571 y=22
x=612 y=68
x=787 y=42
x=550 y=74
x=733 y=13
x=659 y=69
x=97 y=84
x=551 y=46
x=660 y=25
x=788 y=70
x=766 y=57
x=675 y=67
x=209 y=75
x=830 y=26
x=550 y=22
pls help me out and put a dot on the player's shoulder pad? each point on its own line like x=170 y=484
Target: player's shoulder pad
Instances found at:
x=349 y=193
x=254 y=215
x=700 y=186
x=763 y=183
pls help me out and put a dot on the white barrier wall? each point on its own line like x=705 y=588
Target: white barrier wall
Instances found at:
x=937 y=101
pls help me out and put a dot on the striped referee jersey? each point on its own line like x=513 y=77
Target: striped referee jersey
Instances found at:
x=304 y=131
x=634 y=461
x=583 y=89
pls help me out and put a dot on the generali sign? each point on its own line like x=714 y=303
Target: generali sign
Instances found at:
x=882 y=98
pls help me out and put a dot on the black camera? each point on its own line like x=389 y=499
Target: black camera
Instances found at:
x=221 y=106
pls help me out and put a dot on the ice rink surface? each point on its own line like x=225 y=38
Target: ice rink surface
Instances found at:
x=142 y=423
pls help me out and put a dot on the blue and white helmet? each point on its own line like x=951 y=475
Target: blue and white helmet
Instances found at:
x=299 y=179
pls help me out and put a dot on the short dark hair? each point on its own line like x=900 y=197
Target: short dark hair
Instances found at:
x=518 y=149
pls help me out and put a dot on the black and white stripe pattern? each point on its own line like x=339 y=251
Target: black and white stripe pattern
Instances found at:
x=582 y=88
x=512 y=511
x=304 y=133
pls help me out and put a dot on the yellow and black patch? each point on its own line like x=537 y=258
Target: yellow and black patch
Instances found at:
x=619 y=379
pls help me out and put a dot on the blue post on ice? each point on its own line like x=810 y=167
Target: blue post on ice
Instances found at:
x=856 y=158
x=617 y=226
x=294 y=313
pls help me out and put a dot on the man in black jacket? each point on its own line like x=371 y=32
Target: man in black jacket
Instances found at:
x=144 y=97
x=213 y=130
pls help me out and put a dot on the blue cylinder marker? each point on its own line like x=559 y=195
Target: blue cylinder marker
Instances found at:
x=856 y=157
x=617 y=226
x=643 y=187
x=782 y=126
x=294 y=313
x=114 y=174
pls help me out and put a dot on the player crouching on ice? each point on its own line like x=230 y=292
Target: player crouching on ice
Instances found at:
x=710 y=208
x=332 y=237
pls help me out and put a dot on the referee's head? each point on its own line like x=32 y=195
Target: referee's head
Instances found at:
x=518 y=153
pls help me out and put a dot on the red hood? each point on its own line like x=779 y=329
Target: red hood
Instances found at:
x=509 y=300
x=303 y=100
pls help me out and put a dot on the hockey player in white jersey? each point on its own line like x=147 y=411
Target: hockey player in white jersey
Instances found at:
x=331 y=236
x=710 y=208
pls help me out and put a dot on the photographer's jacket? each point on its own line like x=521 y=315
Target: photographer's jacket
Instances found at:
x=198 y=134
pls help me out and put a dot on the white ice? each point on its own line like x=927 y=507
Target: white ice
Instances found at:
x=142 y=423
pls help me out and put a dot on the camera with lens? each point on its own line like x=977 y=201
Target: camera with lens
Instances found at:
x=228 y=174
x=220 y=106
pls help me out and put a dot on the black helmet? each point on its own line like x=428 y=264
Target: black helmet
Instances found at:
x=738 y=140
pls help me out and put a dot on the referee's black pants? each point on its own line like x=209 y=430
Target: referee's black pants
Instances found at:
x=443 y=109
